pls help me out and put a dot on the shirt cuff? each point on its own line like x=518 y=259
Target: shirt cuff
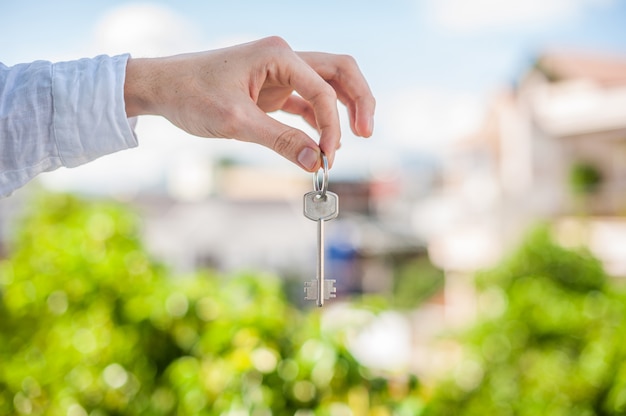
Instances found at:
x=89 y=113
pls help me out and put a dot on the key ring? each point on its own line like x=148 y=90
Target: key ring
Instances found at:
x=323 y=186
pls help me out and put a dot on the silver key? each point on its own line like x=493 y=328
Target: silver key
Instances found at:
x=320 y=206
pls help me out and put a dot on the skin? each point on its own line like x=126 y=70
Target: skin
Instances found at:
x=227 y=93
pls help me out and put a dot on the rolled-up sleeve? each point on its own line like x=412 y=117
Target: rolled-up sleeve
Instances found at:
x=60 y=114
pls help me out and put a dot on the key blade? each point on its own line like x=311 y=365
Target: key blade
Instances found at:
x=320 y=299
x=320 y=263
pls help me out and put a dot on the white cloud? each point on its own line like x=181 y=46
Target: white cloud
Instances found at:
x=142 y=30
x=428 y=120
x=145 y=29
x=475 y=15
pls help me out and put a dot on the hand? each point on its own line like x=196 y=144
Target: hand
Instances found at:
x=227 y=92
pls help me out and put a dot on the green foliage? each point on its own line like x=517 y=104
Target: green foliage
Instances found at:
x=576 y=271
x=90 y=324
x=584 y=178
x=416 y=281
x=551 y=342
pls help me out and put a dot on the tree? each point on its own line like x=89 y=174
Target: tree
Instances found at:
x=550 y=344
x=90 y=324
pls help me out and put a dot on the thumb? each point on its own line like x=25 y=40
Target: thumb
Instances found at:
x=291 y=143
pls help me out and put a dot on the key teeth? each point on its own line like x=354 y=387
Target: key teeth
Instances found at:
x=310 y=289
x=330 y=289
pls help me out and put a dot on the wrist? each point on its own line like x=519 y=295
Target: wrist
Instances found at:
x=137 y=90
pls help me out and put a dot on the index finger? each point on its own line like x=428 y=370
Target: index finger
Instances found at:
x=323 y=99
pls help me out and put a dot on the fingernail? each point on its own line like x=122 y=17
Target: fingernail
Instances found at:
x=308 y=158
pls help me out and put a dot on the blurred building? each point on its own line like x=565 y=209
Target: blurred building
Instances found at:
x=253 y=221
x=551 y=148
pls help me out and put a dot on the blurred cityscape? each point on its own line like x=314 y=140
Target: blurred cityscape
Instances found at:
x=552 y=147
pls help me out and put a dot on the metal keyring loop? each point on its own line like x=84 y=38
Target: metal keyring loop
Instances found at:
x=323 y=186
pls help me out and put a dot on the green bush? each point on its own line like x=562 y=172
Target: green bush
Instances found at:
x=551 y=341
x=584 y=178
x=414 y=282
x=91 y=325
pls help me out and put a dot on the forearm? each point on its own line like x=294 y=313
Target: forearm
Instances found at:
x=89 y=117
x=62 y=114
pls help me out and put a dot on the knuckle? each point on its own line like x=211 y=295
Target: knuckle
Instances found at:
x=275 y=42
x=347 y=67
x=327 y=93
x=331 y=97
x=285 y=141
x=331 y=92
x=347 y=61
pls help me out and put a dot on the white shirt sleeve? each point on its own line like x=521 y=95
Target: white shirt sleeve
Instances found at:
x=60 y=114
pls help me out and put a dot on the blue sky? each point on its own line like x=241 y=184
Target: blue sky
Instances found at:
x=432 y=64
x=406 y=37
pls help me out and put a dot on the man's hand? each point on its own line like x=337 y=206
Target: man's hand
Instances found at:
x=227 y=92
